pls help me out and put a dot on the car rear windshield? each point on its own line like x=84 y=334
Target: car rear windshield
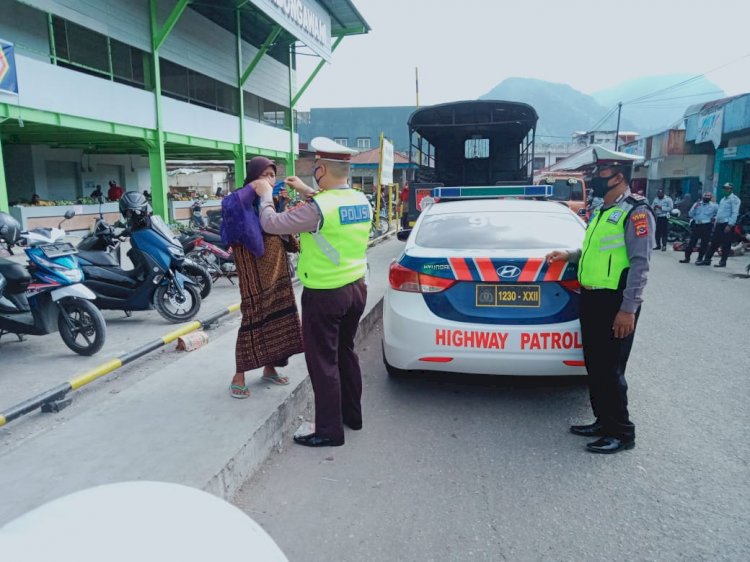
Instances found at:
x=500 y=231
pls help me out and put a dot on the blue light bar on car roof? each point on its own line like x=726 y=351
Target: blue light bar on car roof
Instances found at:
x=492 y=191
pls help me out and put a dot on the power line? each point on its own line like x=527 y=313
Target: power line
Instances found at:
x=685 y=82
x=678 y=97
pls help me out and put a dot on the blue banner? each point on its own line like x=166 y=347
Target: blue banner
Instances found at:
x=8 y=80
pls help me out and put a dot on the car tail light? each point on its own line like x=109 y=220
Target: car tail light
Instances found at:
x=410 y=281
x=573 y=286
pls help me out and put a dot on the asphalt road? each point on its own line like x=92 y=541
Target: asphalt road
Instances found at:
x=473 y=468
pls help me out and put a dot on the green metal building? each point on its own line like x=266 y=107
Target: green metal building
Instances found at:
x=113 y=89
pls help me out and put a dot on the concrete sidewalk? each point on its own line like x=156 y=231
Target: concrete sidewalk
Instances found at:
x=179 y=425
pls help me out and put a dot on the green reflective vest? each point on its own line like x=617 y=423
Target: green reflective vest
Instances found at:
x=604 y=256
x=335 y=255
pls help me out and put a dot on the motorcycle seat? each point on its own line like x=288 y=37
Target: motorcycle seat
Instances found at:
x=103 y=259
x=16 y=275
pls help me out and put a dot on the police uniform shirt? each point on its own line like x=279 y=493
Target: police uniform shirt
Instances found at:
x=665 y=205
x=729 y=208
x=639 y=240
x=703 y=213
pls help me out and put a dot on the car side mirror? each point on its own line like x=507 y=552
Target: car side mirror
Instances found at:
x=69 y=214
x=403 y=235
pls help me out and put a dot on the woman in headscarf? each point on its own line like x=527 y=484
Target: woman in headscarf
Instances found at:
x=270 y=330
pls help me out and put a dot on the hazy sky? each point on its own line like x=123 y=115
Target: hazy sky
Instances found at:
x=466 y=47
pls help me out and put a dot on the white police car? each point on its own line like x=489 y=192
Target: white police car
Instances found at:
x=472 y=292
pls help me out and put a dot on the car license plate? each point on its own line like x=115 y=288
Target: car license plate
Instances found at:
x=509 y=295
x=58 y=250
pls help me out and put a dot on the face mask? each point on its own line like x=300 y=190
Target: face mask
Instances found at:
x=317 y=179
x=599 y=185
x=706 y=199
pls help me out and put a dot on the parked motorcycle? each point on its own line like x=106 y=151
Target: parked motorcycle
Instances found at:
x=678 y=228
x=47 y=296
x=206 y=249
x=103 y=238
x=155 y=281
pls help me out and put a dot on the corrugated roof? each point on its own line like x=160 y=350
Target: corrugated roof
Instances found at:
x=345 y=18
x=373 y=157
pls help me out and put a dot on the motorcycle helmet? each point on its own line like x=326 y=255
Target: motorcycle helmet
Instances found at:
x=675 y=213
x=10 y=229
x=133 y=204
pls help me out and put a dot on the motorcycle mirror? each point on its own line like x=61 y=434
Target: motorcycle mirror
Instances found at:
x=69 y=214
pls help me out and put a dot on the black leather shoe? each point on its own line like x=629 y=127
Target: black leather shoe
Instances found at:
x=313 y=440
x=663 y=248
x=720 y=265
x=590 y=430
x=704 y=262
x=657 y=248
x=686 y=260
x=354 y=426
x=609 y=445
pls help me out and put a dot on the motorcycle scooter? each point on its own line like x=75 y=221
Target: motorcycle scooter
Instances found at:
x=154 y=282
x=47 y=296
x=102 y=238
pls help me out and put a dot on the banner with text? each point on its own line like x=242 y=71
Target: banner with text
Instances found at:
x=307 y=20
x=710 y=125
x=8 y=80
x=386 y=161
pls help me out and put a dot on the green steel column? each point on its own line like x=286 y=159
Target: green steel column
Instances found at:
x=157 y=163
x=240 y=155
x=290 y=167
x=3 y=185
x=156 y=156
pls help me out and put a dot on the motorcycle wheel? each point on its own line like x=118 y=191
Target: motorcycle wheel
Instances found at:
x=201 y=276
x=82 y=326
x=177 y=308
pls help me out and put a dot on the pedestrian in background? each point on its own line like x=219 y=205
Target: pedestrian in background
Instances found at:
x=726 y=218
x=403 y=209
x=702 y=216
x=662 y=206
x=115 y=192
x=613 y=268
x=334 y=232
x=270 y=329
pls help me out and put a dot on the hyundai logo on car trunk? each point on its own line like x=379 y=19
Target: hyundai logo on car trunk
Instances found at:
x=508 y=271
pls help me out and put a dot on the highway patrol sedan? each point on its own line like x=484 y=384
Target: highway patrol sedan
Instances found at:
x=472 y=292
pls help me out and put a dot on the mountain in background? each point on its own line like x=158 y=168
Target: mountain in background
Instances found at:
x=563 y=109
x=665 y=102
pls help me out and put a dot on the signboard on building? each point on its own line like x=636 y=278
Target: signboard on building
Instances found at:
x=386 y=161
x=730 y=152
x=305 y=19
x=8 y=79
x=710 y=126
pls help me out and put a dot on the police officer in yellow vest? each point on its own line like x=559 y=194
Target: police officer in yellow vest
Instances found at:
x=612 y=269
x=334 y=230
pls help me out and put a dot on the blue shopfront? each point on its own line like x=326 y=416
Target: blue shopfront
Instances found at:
x=724 y=126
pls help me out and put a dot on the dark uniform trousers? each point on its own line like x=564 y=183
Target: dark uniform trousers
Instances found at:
x=330 y=318
x=606 y=358
x=721 y=240
x=662 y=227
x=700 y=232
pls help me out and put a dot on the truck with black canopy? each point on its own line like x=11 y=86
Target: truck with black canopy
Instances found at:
x=470 y=143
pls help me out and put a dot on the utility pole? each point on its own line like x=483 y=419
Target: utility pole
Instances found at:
x=617 y=134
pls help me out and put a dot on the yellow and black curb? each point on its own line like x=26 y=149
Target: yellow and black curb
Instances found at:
x=60 y=391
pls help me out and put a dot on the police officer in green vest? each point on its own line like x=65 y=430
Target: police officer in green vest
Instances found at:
x=334 y=231
x=612 y=269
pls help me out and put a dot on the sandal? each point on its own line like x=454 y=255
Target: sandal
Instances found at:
x=237 y=391
x=276 y=378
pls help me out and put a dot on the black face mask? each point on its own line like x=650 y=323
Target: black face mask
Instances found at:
x=599 y=185
x=706 y=199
